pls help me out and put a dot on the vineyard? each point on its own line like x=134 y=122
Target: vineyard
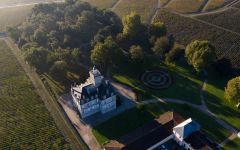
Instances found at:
x=185 y=6
x=25 y=123
x=187 y=29
x=237 y=5
x=102 y=3
x=163 y=2
x=145 y=8
x=214 y=4
x=229 y=19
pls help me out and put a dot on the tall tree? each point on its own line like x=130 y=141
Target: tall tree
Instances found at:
x=161 y=46
x=200 y=54
x=132 y=25
x=232 y=91
x=37 y=57
x=106 y=54
x=157 y=29
x=136 y=54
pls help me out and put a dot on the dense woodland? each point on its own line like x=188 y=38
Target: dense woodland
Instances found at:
x=57 y=38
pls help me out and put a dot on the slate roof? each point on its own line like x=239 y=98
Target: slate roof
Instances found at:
x=89 y=91
x=147 y=135
x=199 y=141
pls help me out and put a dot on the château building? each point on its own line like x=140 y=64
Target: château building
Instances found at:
x=95 y=95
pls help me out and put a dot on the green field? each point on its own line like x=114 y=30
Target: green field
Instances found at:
x=186 y=86
x=145 y=8
x=136 y=117
x=13 y=16
x=102 y=3
x=25 y=123
x=233 y=145
x=216 y=102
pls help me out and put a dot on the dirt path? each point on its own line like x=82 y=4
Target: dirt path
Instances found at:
x=49 y=102
x=218 y=10
x=115 y=5
x=29 y=4
x=84 y=130
x=204 y=5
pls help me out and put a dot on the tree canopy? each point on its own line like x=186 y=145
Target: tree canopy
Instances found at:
x=106 y=54
x=136 y=53
x=200 y=54
x=232 y=91
x=132 y=25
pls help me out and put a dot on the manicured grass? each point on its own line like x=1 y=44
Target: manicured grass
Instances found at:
x=185 y=6
x=233 y=145
x=136 y=117
x=25 y=123
x=102 y=3
x=145 y=8
x=216 y=102
x=13 y=16
x=186 y=86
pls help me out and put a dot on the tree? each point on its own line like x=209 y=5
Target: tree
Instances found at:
x=40 y=37
x=76 y=53
x=200 y=54
x=136 y=53
x=232 y=91
x=37 y=57
x=106 y=54
x=157 y=29
x=59 y=69
x=132 y=25
x=174 y=54
x=14 y=33
x=160 y=46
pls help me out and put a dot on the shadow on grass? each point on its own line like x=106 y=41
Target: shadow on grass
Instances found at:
x=185 y=85
x=136 y=117
x=214 y=98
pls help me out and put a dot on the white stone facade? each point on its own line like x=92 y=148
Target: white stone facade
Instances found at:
x=95 y=95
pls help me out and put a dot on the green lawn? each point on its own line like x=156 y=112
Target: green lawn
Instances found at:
x=186 y=86
x=233 y=145
x=136 y=117
x=216 y=102
x=13 y=16
x=25 y=123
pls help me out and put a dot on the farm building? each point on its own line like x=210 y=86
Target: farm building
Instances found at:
x=168 y=132
x=95 y=95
